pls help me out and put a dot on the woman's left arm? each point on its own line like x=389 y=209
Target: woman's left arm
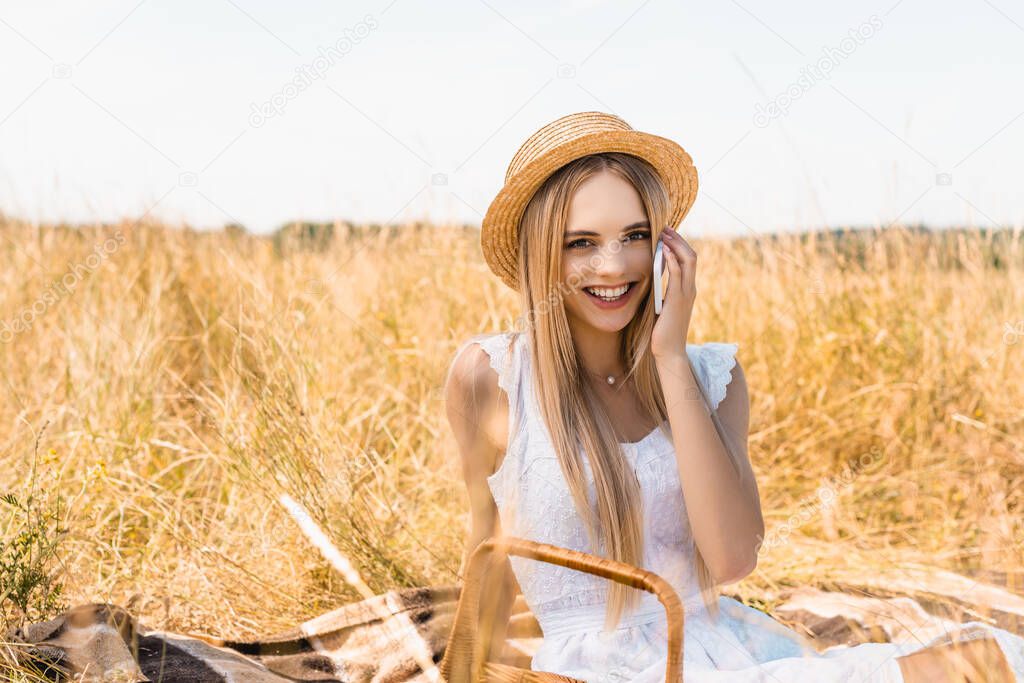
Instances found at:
x=722 y=501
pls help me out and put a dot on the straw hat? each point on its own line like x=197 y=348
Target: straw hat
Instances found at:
x=556 y=144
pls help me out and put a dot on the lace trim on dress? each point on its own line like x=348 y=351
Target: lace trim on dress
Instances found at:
x=717 y=359
x=502 y=360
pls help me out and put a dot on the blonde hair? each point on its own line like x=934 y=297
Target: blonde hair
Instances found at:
x=569 y=407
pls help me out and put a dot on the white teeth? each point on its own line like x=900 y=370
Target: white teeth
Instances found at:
x=608 y=293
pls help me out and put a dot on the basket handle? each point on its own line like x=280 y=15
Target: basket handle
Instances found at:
x=463 y=660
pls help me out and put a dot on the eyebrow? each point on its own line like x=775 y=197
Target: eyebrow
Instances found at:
x=589 y=233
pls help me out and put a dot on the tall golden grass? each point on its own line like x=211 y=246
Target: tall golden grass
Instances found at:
x=191 y=377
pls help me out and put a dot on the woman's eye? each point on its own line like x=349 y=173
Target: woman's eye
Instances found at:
x=585 y=242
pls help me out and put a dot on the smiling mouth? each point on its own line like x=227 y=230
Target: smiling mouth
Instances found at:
x=620 y=292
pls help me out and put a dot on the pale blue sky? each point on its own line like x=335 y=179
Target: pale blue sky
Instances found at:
x=111 y=108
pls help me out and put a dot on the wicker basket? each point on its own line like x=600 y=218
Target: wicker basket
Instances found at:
x=464 y=657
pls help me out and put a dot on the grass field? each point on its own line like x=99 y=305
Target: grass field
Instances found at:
x=163 y=386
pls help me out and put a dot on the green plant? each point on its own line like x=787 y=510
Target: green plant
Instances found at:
x=29 y=587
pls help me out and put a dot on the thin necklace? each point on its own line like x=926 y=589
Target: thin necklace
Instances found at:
x=607 y=378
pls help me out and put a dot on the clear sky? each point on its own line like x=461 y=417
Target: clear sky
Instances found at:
x=797 y=114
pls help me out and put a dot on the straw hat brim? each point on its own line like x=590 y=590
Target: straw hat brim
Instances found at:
x=498 y=233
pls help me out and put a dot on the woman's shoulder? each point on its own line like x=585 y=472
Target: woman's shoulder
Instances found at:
x=489 y=358
x=475 y=407
x=483 y=364
x=486 y=348
x=473 y=371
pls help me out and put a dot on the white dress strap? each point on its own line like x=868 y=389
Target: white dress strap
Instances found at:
x=714 y=365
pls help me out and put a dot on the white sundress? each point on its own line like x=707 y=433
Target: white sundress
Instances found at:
x=742 y=645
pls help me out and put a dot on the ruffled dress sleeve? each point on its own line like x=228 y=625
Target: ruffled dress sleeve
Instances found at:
x=714 y=365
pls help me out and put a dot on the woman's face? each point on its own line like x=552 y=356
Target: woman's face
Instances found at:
x=606 y=246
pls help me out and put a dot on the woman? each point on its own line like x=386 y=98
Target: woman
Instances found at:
x=598 y=428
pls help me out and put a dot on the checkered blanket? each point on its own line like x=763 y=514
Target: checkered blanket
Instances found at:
x=382 y=639
x=377 y=640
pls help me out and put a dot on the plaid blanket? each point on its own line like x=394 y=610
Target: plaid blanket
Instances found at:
x=382 y=639
x=368 y=641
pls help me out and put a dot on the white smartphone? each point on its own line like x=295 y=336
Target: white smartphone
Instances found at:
x=659 y=270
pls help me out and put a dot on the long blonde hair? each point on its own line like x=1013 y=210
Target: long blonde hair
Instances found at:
x=569 y=407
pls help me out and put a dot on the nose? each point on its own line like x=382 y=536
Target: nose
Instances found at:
x=610 y=263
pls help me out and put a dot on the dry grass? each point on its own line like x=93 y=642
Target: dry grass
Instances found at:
x=190 y=378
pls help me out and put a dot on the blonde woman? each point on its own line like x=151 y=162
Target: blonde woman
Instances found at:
x=596 y=426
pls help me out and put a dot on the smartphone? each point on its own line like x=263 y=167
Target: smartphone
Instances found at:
x=659 y=271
